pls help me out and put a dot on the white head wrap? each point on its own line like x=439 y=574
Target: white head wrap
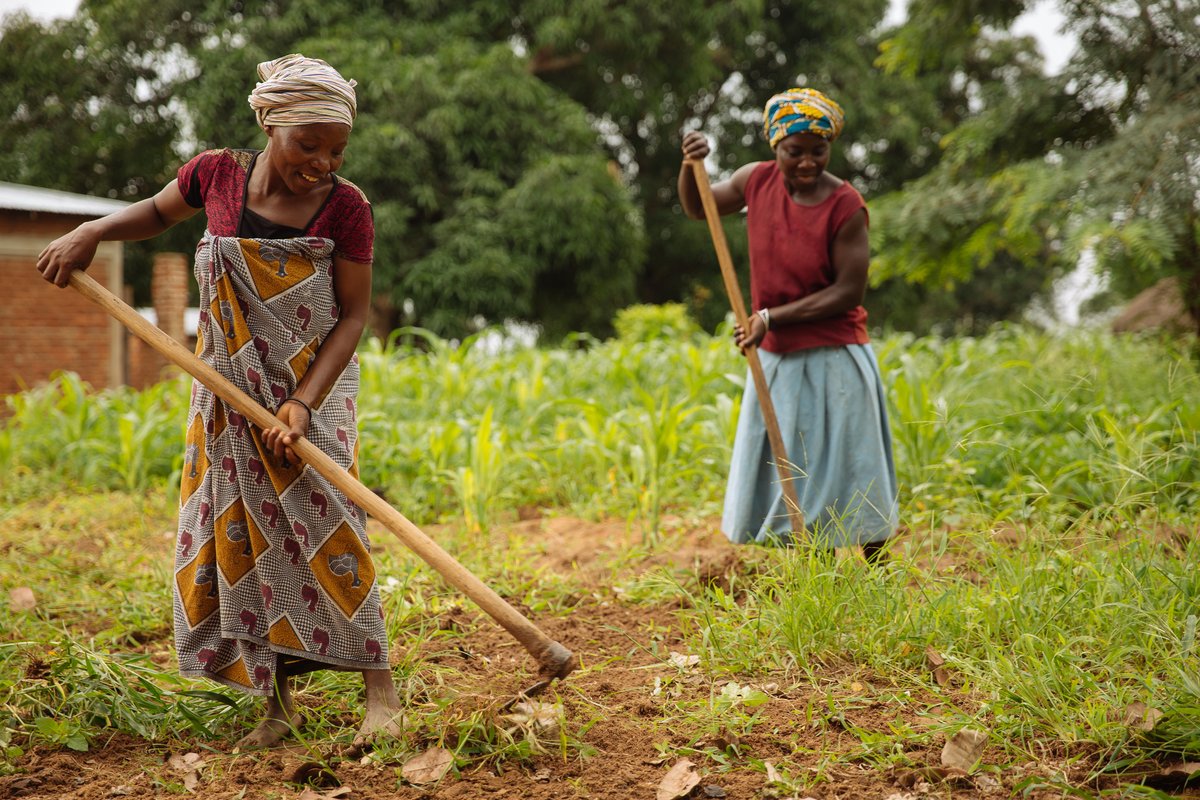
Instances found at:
x=295 y=90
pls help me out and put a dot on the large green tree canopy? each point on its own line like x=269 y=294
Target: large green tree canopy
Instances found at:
x=521 y=156
x=493 y=197
x=1102 y=160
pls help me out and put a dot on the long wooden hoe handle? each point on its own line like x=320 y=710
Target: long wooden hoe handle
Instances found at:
x=778 y=451
x=555 y=660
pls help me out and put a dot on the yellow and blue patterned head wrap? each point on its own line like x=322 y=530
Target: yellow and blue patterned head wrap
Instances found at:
x=802 y=111
x=294 y=90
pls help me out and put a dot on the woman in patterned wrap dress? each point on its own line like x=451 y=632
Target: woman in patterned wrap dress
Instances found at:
x=809 y=254
x=273 y=573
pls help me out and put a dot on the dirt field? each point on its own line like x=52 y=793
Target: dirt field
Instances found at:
x=624 y=648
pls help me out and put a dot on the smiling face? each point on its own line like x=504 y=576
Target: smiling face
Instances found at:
x=304 y=157
x=802 y=158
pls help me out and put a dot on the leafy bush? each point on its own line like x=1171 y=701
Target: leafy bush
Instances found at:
x=646 y=323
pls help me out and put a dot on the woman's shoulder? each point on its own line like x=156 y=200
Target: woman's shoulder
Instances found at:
x=762 y=169
x=226 y=156
x=845 y=191
x=755 y=174
x=349 y=193
x=211 y=163
x=845 y=202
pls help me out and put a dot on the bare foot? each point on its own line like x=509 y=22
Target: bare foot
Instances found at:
x=270 y=732
x=279 y=719
x=384 y=712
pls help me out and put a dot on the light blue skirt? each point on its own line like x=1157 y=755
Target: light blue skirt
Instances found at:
x=833 y=417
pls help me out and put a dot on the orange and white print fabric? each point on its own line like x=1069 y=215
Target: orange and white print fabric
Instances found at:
x=272 y=565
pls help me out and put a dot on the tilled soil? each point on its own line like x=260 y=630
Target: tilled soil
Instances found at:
x=623 y=704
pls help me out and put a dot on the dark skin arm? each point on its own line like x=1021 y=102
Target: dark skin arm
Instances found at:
x=149 y=218
x=851 y=258
x=851 y=249
x=352 y=288
x=730 y=195
x=142 y=220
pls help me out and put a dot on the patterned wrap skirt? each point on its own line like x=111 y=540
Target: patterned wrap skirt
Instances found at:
x=272 y=564
x=833 y=417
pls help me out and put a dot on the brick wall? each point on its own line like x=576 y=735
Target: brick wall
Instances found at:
x=169 y=293
x=43 y=328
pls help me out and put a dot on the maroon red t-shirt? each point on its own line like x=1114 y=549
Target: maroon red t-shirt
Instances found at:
x=215 y=180
x=791 y=256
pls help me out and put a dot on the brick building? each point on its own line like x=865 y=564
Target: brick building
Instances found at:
x=44 y=329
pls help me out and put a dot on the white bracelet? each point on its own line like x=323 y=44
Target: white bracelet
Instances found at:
x=765 y=315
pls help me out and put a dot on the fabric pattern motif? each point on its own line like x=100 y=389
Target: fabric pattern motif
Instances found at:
x=272 y=562
x=802 y=111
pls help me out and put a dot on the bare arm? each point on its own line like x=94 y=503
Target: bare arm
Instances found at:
x=352 y=289
x=142 y=220
x=851 y=258
x=730 y=195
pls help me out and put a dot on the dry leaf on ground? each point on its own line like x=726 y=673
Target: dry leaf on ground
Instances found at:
x=772 y=773
x=679 y=782
x=22 y=599
x=988 y=783
x=1141 y=717
x=428 y=767
x=188 y=766
x=310 y=793
x=682 y=661
x=924 y=776
x=937 y=665
x=963 y=749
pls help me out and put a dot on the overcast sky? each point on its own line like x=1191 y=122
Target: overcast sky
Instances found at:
x=41 y=9
x=1044 y=21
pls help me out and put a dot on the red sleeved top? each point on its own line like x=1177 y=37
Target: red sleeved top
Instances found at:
x=791 y=256
x=216 y=181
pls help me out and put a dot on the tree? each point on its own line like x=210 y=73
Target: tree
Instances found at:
x=1102 y=159
x=522 y=155
x=493 y=197
x=80 y=113
x=80 y=117
x=649 y=70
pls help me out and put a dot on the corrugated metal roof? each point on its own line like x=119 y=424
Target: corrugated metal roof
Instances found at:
x=17 y=197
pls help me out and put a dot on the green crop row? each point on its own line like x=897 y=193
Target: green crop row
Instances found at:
x=1016 y=422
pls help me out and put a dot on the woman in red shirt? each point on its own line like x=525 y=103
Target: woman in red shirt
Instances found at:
x=809 y=255
x=273 y=572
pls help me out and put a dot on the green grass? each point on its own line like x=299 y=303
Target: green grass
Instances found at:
x=1050 y=494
